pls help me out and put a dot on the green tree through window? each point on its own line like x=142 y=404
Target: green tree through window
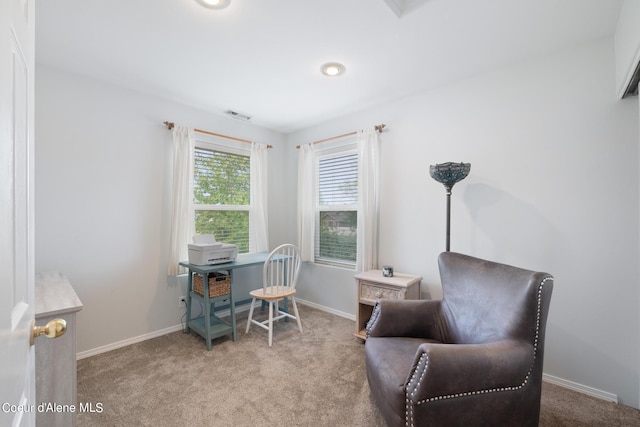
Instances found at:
x=221 y=198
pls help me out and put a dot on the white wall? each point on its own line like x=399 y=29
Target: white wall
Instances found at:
x=102 y=190
x=553 y=187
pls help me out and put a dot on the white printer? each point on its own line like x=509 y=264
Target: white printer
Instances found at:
x=206 y=251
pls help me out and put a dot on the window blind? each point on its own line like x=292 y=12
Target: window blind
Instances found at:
x=221 y=178
x=338 y=180
x=337 y=209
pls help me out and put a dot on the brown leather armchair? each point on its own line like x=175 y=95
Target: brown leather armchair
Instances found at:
x=473 y=358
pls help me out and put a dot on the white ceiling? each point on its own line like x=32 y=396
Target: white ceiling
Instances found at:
x=262 y=57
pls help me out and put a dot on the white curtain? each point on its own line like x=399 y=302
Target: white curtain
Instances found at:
x=368 y=200
x=258 y=231
x=182 y=221
x=306 y=201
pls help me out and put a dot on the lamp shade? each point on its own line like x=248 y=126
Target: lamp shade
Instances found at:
x=449 y=173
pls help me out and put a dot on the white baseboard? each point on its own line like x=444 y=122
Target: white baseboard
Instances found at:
x=590 y=391
x=581 y=388
x=159 y=333
x=327 y=309
x=140 y=338
x=128 y=341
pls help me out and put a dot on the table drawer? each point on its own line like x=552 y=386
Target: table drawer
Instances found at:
x=373 y=292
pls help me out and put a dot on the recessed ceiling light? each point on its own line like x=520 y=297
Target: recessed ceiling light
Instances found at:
x=214 y=4
x=332 y=69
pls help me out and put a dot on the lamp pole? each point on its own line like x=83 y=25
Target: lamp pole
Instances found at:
x=448 y=174
x=448 y=191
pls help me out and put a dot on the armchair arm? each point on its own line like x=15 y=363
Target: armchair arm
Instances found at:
x=443 y=371
x=406 y=318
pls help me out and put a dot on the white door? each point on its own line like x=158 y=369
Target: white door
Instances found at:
x=17 y=378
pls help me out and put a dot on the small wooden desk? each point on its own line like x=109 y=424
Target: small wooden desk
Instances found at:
x=210 y=326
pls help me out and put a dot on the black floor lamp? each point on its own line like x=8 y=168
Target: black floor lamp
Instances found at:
x=448 y=174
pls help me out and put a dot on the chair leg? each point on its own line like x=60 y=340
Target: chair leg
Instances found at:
x=295 y=310
x=253 y=301
x=270 y=322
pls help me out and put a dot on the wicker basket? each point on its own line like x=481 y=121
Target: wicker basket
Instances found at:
x=219 y=284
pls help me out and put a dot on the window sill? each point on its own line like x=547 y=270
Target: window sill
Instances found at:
x=336 y=265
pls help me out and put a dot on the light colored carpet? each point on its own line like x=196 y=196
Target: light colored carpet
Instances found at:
x=312 y=379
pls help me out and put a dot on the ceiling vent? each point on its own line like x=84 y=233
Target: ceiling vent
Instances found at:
x=237 y=116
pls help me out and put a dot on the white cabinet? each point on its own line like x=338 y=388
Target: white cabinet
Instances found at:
x=56 y=358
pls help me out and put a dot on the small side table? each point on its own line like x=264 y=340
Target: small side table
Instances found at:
x=372 y=285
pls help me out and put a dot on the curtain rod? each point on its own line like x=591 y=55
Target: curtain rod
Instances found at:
x=171 y=125
x=377 y=128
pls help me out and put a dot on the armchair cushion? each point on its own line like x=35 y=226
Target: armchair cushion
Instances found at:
x=406 y=318
x=459 y=369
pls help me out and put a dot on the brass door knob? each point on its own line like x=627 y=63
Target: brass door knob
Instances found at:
x=54 y=329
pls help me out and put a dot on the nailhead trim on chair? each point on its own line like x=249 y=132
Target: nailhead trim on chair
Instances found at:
x=421 y=366
x=375 y=314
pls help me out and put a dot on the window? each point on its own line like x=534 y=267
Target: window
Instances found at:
x=338 y=203
x=221 y=195
x=337 y=217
